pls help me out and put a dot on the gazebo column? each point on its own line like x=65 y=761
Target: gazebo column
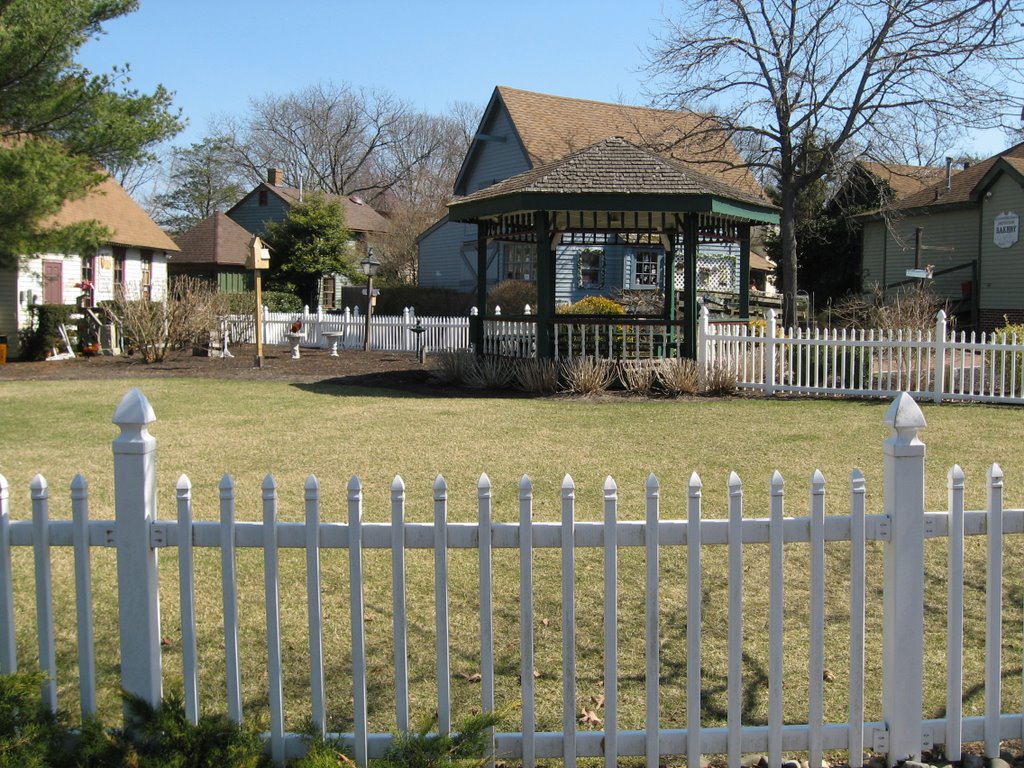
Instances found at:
x=481 y=286
x=690 y=286
x=745 y=270
x=669 y=241
x=545 y=288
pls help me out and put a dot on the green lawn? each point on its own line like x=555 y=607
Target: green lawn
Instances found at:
x=206 y=428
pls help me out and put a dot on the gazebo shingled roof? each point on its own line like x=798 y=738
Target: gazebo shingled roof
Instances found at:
x=606 y=173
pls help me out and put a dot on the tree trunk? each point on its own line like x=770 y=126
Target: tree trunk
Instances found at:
x=787 y=235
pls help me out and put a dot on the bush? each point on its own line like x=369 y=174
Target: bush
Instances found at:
x=1011 y=364
x=720 y=379
x=535 y=375
x=454 y=367
x=586 y=375
x=639 y=376
x=512 y=296
x=163 y=736
x=44 y=334
x=491 y=373
x=592 y=305
x=186 y=317
x=679 y=376
x=467 y=745
x=30 y=735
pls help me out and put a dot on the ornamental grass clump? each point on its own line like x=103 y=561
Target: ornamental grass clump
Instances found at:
x=586 y=375
x=534 y=375
x=455 y=367
x=639 y=376
x=679 y=376
x=719 y=379
x=491 y=373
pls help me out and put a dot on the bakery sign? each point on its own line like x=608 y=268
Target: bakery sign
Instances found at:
x=1007 y=229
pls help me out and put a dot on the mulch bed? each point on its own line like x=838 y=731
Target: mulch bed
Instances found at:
x=391 y=370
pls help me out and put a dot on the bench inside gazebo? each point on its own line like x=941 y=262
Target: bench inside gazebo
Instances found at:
x=609 y=190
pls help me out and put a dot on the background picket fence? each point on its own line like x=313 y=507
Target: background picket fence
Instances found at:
x=900 y=530
x=941 y=364
x=938 y=365
x=389 y=333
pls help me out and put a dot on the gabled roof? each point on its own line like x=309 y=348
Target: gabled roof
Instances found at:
x=615 y=173
x=114 y=208
x=359 y=215
x=215 y=240
x=1014 y=166
x=961 y=187
x=904 y=180
x=550 y=127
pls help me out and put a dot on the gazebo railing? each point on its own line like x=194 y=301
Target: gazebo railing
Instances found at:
x=614 y=337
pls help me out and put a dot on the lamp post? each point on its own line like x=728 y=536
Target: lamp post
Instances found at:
x=371 y=268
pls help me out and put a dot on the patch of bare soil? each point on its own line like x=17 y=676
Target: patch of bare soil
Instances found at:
x=390 y=370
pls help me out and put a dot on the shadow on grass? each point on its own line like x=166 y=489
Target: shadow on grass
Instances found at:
x=413 y=382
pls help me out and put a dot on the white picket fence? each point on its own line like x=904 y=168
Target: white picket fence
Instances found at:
x=938 y=365
x=137 y=534
x=388 y=333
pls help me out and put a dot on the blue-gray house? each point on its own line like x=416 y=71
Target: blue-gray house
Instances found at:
x=521 y=130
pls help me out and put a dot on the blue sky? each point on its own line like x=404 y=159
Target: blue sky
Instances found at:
x=218 y=54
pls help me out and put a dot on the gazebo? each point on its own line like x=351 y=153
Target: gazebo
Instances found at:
x=614 y=188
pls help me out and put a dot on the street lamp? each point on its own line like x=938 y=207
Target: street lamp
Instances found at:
x=371 y=268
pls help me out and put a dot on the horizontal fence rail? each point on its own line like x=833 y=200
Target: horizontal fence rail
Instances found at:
x=136 y=535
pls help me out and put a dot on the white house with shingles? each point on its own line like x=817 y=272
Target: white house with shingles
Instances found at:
x=134 y=259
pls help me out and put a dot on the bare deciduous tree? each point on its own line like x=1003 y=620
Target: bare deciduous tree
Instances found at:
x=859 y=75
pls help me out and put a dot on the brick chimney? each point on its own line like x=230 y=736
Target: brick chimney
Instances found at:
x=275 y=177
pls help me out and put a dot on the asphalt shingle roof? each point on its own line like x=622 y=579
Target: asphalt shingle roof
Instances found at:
x=551 y=127
x=215 y=240
x=359 y=216
x=614 y=166
x=961 y=185
x=114 y=208
x=905 y=180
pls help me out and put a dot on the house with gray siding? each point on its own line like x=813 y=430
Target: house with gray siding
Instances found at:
x=271 y=201
x=521 y=130
x=964 y=231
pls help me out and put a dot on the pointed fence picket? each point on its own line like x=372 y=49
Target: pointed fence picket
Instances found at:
x=900 y=531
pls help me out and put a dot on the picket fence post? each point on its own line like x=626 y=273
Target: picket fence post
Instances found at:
x=134 y=511
x=939 y=379
x=903 y=583
x=770 y=333
x=702 y=339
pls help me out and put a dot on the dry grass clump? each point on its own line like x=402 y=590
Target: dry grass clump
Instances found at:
x=679 y=376
x=533 y=375
x=454 y=367
x=491 y=373
x=586 y=375
x=719 y=379
x=639 y=376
